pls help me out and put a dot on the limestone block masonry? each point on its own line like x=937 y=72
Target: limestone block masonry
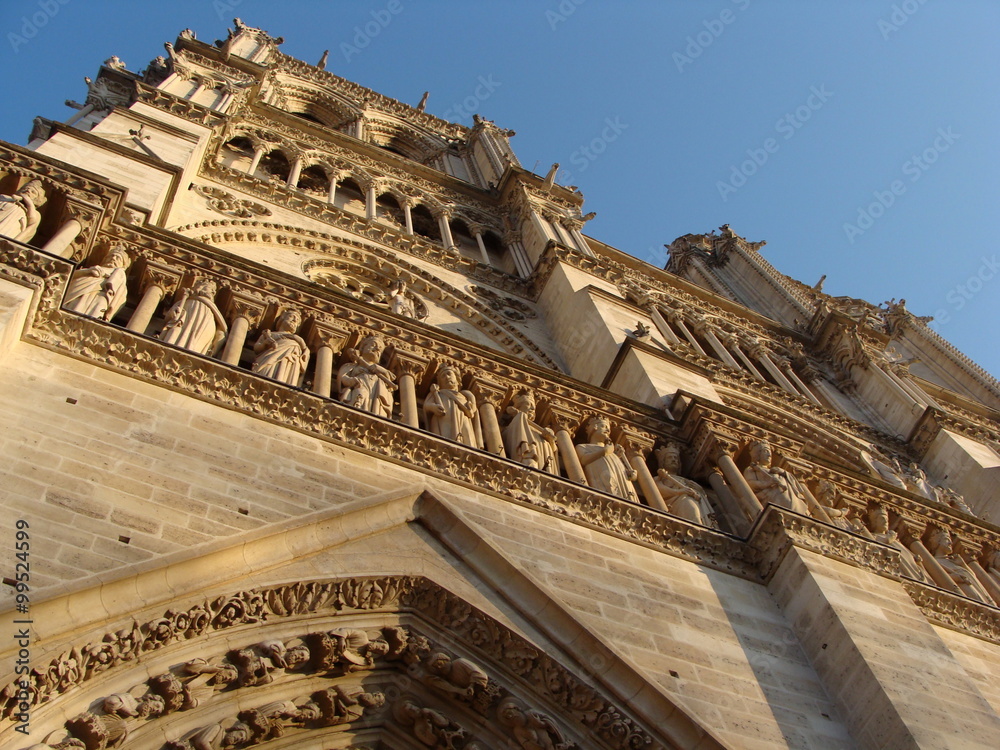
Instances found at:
x=326 y=426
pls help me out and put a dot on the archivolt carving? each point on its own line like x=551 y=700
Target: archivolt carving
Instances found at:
x=401 y=664
x=228 y=204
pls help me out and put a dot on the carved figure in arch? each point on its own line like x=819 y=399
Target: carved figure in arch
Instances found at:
x=604 y=463
x=257 y=662
x=194 y=321
x=940 y=545
x=100 y=291
x=878 y=524
x=772 y=484
x=19 y=217
x=683 y=497
x=431 y=727
x=346 y=650
x=526 y=441
x=451 y=412
x=363 y=382
x=401 y=303
x=338 y=706
x=456 y=676
x=531 y=729
x=281 y=353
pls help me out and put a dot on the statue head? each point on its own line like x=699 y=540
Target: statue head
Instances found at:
x=205 y=288
x=371 y=700
x=669 y=458
x=289 y=320
x=524 y=401
x=449 y=378
x=939 y=540
x=760 y=452
x=598 y=427
x=34 y=190
x=371 y=348
x=119 y=257
x=878 y=518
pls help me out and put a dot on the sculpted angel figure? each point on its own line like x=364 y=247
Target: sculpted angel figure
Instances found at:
x=683 y=497
x=772 y=484
x=604 y=466
x=526 y=441
x=99 y=291
x=19 y=217
x=281 y=353
x=363 y=382
x=194 y=322
x=451 y=412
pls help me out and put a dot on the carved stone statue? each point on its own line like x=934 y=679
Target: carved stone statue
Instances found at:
x=683 y=497
x=940 y=545
x=603 y=464
x=194 y=322
x=451 y=412
x=338 y=706
x=457 y=676
x=531 y=730
x=99 y=291
x=346 y=650
x=400 y=303
x=281 y=353
x=19 y=217
x=953 y=499
x=889 y=472
x=526 y=441
x=363 y=382
x=430 y=727
x=772 y=484
x=916 y=481
x=878 y=524
x=827 y=495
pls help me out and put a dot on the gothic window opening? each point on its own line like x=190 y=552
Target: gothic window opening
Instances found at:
x=464 y=240
x=275 y=165
x=314 y=180
x=350 y=196
x=388 y=210
x=425 y=224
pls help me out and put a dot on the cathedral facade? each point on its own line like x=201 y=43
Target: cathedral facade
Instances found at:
x=329 y=427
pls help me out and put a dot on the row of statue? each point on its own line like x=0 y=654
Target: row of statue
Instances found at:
x=19 y=216
x=195 y=322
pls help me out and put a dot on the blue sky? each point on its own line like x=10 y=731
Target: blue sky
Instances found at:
x=859 y=138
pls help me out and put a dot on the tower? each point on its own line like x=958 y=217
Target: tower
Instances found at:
x=331 y=428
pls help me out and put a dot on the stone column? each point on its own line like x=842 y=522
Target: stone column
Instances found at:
x=446 y=238
x=243 y=310
x=258 y=154
x=789 y=371
x=637 y=445
x=410 y=369
x=720 y=349
x=489 y=399
x=564 y=423
x=293 y=175
x=741 y=490
x=155 y=282
x=331 y=194
x=938 y=574
x=371 y=207
x=478 y=233
x=326 y=340
x=512 y=240
x=989 y=582
x=408 y=216
x=663 y=326
x=61 y=241
x=801 y=471
x=738 y=351
x=730 y=506
x=678 y=320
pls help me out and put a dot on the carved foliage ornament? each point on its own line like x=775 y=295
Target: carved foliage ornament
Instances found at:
x=510 y=308
x=228 y=204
